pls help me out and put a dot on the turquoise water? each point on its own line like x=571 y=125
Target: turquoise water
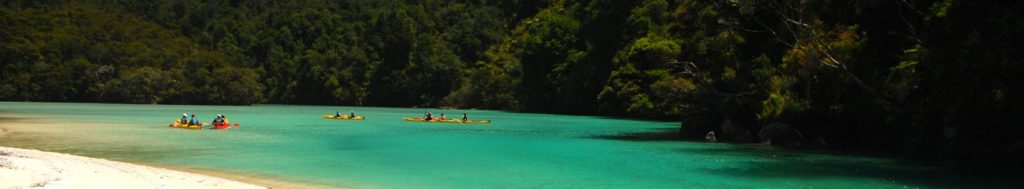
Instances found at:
x=517 y=150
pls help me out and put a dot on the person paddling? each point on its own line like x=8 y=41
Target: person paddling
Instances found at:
x=351 y=114
x=464 y=117
x=195 y=121
x=184 y=119
x=217 y=120
x=430 y=116
x=442 y=117
x=337 y=113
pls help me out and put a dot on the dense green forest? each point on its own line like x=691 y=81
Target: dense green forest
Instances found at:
x=929 y=78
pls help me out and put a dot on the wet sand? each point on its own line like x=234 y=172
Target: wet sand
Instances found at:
x=29 y=168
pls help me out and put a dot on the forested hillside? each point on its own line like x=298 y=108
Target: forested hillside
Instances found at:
x=80 y=52
x=927 y=77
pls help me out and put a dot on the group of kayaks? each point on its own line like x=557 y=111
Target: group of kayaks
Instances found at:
x=220 y=122
x=224 y=123
x=417 y=119
x=199 y=126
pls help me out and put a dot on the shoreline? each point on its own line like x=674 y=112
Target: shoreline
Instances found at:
x=22 y=168
x=42 y=163
x=240 y=177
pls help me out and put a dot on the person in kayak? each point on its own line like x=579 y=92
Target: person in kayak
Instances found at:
x=217 y=120
x=430 y=116
x=351 y=114
x=337 y=113
x=442 y=117
x=195 y=121
x=464 y=117
x=184 y=119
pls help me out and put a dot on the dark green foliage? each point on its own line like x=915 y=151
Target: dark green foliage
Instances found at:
x=938 y=75
x=78 y=52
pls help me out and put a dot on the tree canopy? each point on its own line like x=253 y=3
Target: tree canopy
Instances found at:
x=863 y=73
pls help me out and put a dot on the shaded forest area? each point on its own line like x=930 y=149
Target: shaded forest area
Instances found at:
x=926 y=78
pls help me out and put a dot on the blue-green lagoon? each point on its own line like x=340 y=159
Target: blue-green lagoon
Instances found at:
x=295 y=144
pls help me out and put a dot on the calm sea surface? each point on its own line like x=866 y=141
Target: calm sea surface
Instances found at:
x=517 y=150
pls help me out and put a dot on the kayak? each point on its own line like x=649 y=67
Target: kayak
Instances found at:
x=344 y=117
x=448 y=120
x=224 y=126
x=177 y=124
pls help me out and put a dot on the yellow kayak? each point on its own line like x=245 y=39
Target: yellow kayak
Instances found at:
x=177 y=124
x=448 y=120
x=344 y=117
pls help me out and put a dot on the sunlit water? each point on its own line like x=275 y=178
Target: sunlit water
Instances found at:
x=517 y=150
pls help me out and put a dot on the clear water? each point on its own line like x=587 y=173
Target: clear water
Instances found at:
x=517 y=150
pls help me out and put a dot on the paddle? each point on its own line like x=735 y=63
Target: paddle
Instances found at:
x=236 y=124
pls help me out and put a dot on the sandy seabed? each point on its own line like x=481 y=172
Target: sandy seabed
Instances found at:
x=27 y=168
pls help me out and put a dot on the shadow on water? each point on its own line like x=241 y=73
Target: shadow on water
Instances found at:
x=822 y=169
x=766 y=162
x=755 y=161
x=644 y=136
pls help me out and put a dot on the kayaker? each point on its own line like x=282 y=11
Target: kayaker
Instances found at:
x=224 y=119
x=351 y=114
x=184 y=119
x=464 y=117
x=430 y=116
x=442 y=116
x=337 y=113
x=217 y=120
x=195 y=121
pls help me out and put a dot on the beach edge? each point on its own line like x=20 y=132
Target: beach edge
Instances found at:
x=34 y=168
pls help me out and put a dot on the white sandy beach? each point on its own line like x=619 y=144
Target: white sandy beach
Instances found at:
x=22 y=168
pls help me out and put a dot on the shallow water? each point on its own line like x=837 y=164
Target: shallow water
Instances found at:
x=517 y=150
